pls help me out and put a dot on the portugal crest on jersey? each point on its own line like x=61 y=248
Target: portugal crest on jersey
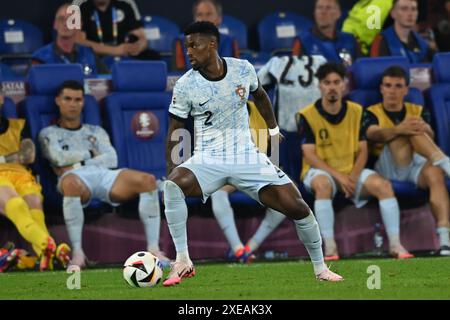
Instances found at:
x=240 y=91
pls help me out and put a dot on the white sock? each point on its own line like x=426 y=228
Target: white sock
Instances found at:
x=444 y=164
x=183 y=256
x=323 y=209
x=150 y=215
x=74 y=219
x=390 y=214
x=308 y=232
x=272 y=220
x=224 y=214
x=443 y=235
x=176 y=214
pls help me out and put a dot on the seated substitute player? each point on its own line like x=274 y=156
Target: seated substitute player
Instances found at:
x=334 y=155
x=20 y=194
x=402 y=139
x=82 y=157
x=215 y=93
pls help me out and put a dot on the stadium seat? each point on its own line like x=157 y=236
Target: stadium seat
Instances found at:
x=367 y=74
x=18 y=41
x=41 y=111
x=277 y=31
x=438 y=97
x=137 y=115
x=439 y=100
x=9 y=109
x=161 y=34
x=441 y=67
x=235 y=28
x=238 y=30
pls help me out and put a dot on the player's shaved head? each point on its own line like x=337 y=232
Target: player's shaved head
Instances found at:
x=203 y=28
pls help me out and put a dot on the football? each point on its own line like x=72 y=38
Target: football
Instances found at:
x=142 y=270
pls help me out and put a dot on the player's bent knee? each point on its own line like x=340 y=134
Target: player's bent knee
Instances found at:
x=72 y=186
x=322 y=187
x=298 y=209
x=147 y=182
x=382 y=188
x=172 y=191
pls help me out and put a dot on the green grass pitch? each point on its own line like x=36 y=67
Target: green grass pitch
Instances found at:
x=419 y=278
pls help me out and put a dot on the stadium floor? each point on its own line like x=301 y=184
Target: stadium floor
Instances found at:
x=419 y=278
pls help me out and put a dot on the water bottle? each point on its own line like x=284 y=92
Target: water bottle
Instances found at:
x=378 y=240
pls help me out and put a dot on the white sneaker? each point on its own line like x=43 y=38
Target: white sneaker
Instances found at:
x=178 y=271
x=328 y=275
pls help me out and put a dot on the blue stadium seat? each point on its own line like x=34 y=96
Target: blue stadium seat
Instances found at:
x=441 y=67
x=277 y=31
x=18 y=41
x=236 y=29
x=41 y=111
x=367 y=74
x=438 y=97
x=9 y=109
x=161 y=34
x=138 y=101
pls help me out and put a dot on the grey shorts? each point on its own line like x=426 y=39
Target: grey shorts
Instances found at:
x=97 y=179
x=249 y=177
x=386 y=167
x=357 y=199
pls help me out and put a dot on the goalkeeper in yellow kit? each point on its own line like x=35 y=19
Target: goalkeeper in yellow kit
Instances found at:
x=20 y=194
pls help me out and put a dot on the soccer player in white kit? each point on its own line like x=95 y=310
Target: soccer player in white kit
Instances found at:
x=215 y=92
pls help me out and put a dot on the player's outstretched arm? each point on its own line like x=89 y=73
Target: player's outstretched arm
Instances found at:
x=171 y=141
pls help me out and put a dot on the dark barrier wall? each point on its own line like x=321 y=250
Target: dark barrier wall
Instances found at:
x=40 y=12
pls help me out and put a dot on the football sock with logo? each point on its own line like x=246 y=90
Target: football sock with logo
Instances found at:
x=308 y=232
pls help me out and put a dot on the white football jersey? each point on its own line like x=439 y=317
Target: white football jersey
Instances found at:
x=219 y=108
x=295 y=83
